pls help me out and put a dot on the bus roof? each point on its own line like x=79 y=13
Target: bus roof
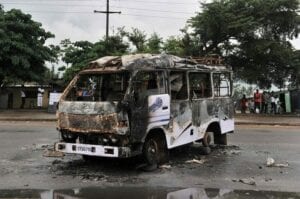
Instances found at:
x=150 y=61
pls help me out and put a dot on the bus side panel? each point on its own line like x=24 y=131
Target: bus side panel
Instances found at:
x=225 y=113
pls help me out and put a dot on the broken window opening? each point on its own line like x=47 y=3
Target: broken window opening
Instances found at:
x=99 y=87
x=200 y=85
x=146 y=83
x=222 y=85
x=178 y=85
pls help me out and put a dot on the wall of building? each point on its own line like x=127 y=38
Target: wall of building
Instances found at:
x=11 y=97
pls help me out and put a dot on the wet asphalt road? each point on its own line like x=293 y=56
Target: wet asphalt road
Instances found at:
x=22 y=165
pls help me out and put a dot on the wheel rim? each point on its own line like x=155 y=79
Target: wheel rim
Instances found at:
x=207 y=139
x=152 y=152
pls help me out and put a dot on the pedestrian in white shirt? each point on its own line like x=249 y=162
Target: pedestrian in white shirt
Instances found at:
x=23 y=97
x=40 y=97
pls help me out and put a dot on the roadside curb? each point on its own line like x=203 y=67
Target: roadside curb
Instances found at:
x=28 y=120
x=236 y=122
x=266 y=123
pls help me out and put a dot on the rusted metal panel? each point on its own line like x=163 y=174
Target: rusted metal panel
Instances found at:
x=92 y=117
x=89 y=123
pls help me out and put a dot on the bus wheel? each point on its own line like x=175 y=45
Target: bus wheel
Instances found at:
x=208 y=139
x=155 y=151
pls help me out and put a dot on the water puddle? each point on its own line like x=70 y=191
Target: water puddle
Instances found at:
x=145 y=192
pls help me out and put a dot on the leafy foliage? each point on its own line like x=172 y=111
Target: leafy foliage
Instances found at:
x=252 y=36
x=22 y=47
x=78 y=54
x=154 y=44
x=173 y=45
x=295 y=68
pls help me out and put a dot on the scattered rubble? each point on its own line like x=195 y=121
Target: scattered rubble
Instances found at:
x=248 y=181
x=56 y=162
x=37 y=147
x=195 y=161
x=165 y=166
x=271 y=163
x=268 y=179
x=52 y=153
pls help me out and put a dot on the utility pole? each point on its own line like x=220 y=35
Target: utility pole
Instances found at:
x=107 y=12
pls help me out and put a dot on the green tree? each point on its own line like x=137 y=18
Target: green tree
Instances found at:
x=154 y=44
x=189 y=43
x=295 y=68
x=252 y=35
x=173 y=45
x=23 y=52
x=138 y=39
x=78 y=54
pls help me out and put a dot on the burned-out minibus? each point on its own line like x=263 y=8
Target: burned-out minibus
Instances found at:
x=123 y=106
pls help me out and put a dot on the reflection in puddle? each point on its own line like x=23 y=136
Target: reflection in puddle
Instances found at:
x=141 y=193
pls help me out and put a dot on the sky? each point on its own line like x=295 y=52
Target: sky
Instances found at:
x=76 y=20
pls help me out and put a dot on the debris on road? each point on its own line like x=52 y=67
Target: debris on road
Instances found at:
x=268 y=179
x=52 y=153
x=195 y=161
x=249 y=181
x=281 y=165
x=165 y=166
x=56 y=162
x=41 y=146
x=271 y=163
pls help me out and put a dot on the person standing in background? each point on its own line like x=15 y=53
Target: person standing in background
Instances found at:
x=40 y=97
x=264 y=102
x=23 y=97
x=244 y=104
x=273 y=103
x=257 y=101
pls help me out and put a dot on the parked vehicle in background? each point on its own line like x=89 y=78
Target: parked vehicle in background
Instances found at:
x=123 y=106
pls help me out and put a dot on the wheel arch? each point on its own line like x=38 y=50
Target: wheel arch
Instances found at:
x=214 y=127
x=219 y=138
x=159 y=132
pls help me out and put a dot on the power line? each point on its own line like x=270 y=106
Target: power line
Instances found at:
x=166 y=11
x=74 y=5
x=151 y=16
x=51 y=4
x=160 y=2
x=81 y=12
x=135 y=1
x=56 y=12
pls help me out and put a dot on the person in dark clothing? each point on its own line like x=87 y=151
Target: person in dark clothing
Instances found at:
x=244 y=104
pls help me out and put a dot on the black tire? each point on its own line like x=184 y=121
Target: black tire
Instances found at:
x=208 y=139
x=155 y=151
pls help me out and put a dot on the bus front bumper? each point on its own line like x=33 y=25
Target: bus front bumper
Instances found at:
x=93 y=150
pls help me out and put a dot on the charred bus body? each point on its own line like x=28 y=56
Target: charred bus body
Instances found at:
x=144 y=104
